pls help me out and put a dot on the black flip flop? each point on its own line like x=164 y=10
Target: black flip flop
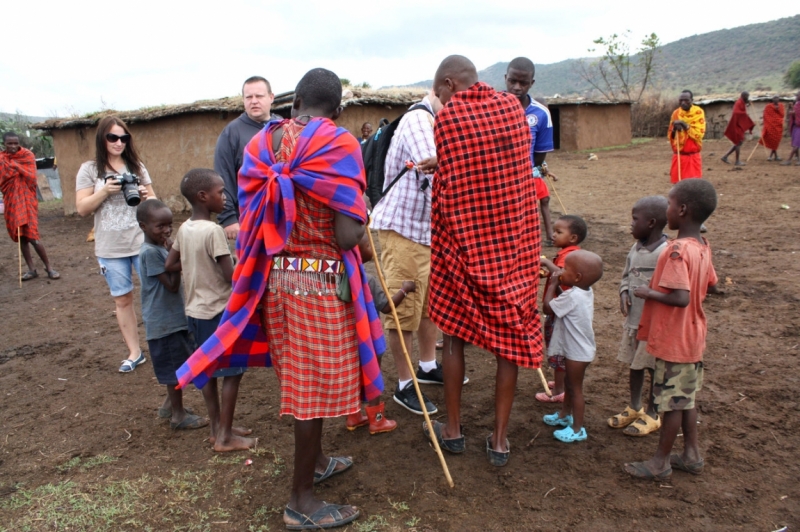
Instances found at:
x=30 y=274
x=190 y=422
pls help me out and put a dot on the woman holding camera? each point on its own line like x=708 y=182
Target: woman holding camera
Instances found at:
x=102 y=187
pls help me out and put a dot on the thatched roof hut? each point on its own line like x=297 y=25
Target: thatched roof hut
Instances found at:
x=176 y=138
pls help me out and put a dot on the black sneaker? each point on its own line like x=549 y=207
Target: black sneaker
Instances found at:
x=434 y=376
x=407 y=398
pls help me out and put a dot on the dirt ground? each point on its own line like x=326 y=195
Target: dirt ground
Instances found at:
x=81 y=447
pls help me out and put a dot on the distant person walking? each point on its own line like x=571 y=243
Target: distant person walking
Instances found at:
x=772 y=132
x=18 y=185
x=794 y=121
x=739 y=123
x=686 y=131
x=228 y=155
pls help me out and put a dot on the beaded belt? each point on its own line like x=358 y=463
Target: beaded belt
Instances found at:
x=297 y=264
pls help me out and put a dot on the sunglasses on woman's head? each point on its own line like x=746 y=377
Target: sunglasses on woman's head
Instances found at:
x=112 y=138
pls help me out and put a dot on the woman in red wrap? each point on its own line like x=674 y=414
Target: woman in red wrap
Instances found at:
x=18 y=185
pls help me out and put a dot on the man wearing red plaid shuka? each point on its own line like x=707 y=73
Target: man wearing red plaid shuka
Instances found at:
x=485 y=244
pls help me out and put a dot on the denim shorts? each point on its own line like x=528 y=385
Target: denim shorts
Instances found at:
x=118 y=273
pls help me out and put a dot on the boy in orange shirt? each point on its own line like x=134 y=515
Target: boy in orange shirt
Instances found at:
x=674 y=326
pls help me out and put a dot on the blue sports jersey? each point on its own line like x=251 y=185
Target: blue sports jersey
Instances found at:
x=541 y=125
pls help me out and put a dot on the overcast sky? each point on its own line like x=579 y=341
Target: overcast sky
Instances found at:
x=62 y=58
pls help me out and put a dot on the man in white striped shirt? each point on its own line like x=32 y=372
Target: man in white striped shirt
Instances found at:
x=403 y=220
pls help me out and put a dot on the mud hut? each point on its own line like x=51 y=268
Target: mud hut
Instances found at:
x=173 y=139
x=587 y=124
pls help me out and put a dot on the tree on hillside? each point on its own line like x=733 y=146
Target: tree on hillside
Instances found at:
x=615 y=75
x=792 y=76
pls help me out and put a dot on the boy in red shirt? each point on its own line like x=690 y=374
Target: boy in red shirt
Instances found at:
x=674 y=326
x=568 y=233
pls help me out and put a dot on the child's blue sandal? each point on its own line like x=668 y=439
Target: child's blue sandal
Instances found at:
x=567 y=435
x=554 y=421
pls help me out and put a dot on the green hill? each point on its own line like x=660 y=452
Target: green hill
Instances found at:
x=752 y=57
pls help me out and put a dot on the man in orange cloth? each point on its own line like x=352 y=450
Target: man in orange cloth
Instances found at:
x=739 y=123
x=773 y=127
x=485 y=244
x=686 y=132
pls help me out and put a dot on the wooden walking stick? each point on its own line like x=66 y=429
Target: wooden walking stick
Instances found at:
x=678 y=153
x=410 y=365
x=754 y=150
x=19 y=250
x=553 y=186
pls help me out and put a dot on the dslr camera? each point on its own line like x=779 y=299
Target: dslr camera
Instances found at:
x=130 y=187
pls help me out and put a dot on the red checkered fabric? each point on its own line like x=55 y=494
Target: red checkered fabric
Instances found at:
x=485 y=242
x=312 y=338
x=18 y=184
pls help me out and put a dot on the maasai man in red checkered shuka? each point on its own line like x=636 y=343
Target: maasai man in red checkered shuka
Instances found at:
x=485 y=242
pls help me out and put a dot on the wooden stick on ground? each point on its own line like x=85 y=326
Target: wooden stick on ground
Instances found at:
x=752 y=152
x=19 y=250
x=410 y=364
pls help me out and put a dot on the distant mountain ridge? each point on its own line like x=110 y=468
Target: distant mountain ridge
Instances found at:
x=752 y=57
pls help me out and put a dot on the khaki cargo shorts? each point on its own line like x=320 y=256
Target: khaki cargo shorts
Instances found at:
x=405 y=260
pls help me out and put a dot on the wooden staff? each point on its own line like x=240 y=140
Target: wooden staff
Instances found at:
x=410 y=364
x=678 y=153
x=552 y=184
x=19 y=250
x=754 y=150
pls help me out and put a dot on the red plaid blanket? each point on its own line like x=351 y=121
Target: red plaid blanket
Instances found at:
x=485 y=239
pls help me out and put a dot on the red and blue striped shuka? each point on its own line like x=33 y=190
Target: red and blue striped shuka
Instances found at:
x=327 y=166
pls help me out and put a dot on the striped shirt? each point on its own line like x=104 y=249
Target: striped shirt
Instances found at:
x=406 y=209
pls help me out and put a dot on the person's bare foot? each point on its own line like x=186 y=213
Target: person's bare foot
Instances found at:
x=237 y=431
x=235 y=443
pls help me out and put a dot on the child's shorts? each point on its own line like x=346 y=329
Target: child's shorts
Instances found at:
x=541 y=188
x=168 y=354
x=675 y=385
x=202 y=330
x=634 y=352
x=558 y=362
x=119 y=273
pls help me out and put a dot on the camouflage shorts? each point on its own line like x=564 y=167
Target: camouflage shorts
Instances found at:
x=675 y=385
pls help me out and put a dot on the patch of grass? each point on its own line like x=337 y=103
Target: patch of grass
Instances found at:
x=399 y=506
x=275 y=466
x=85 y=465
x=374 y=523
x=257 y=523
x=414 y=521
x=227 y=460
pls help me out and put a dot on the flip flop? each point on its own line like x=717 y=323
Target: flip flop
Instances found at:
x=166 y=413
x=628 y=416
x=643 y=426
x=331 y=469
x=313 y=522
x=453 y=445
x=676 y=461
x=542 y=397
x=190 y=422
x=52 y=274
x=30 y=274
x=639 y=470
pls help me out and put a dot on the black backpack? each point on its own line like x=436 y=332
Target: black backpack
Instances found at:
x=374 y=152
